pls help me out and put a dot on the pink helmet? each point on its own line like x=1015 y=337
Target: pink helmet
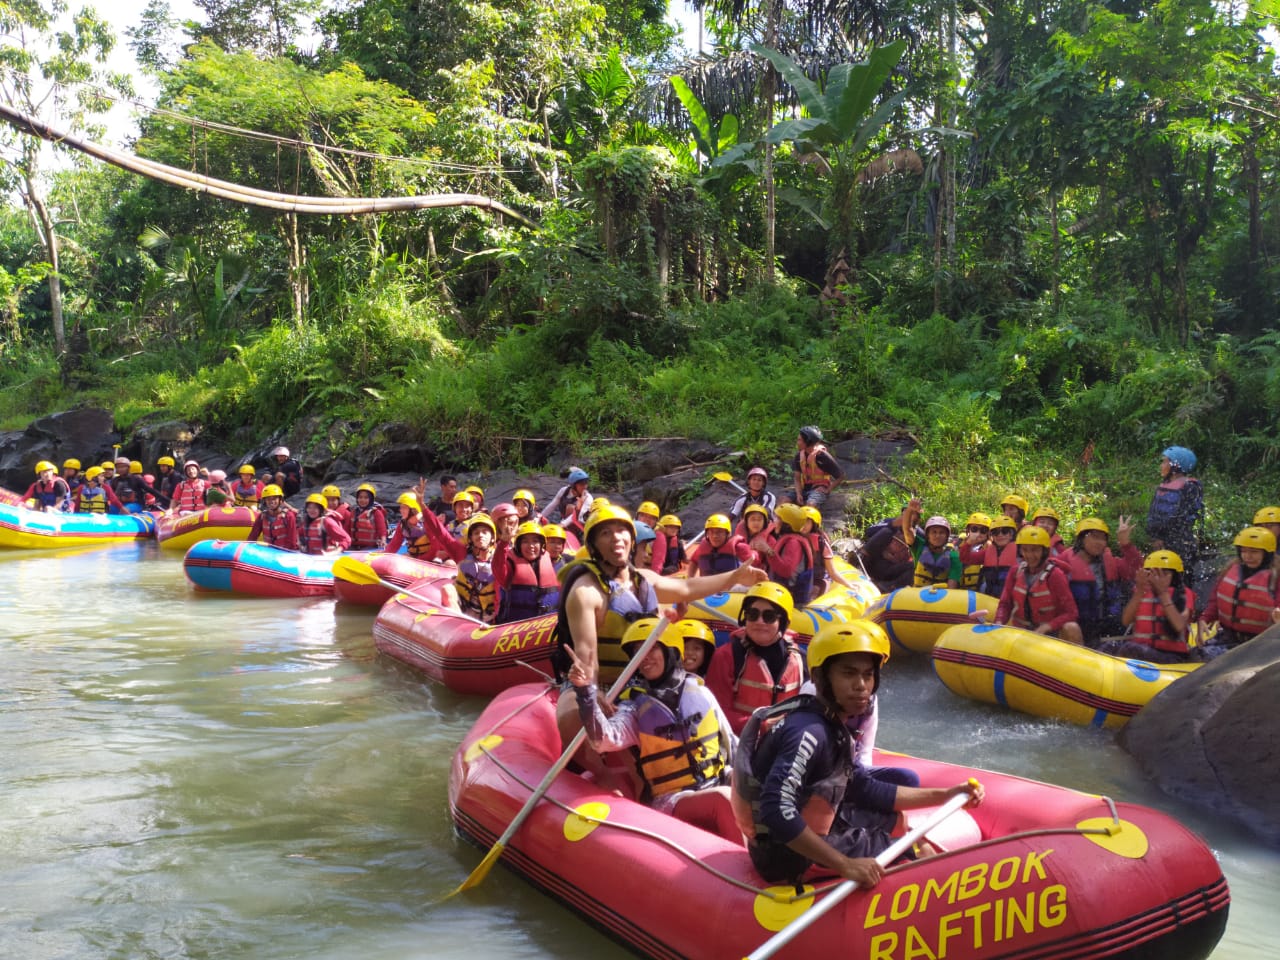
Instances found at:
x=758 y=472
x=280 y=451
x=504 y=510
x=217 y=476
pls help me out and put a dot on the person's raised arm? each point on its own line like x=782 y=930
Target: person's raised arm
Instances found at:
x=678 y=590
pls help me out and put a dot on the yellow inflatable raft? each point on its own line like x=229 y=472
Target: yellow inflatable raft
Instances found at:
x=1046 y=676
x=915 y=617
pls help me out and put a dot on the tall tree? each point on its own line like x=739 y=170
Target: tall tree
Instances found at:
x=56 y=72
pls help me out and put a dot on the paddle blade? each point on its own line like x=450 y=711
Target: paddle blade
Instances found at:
x=481 y=871
x=723 y=477
x=355 y=571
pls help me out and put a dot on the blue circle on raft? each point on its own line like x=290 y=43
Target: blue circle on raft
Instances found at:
x=716 y=600
x=933 y=594
x=986 y=627
x=1143 y=670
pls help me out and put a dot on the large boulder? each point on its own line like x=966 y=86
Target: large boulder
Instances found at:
x=87 y=434
x=1213 y=738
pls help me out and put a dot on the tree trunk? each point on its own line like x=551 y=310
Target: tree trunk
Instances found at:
x=34 y=197
x=298 y=286
x=768 y=91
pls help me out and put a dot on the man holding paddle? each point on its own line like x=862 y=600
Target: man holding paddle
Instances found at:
x=604 y=592
x=799 y=795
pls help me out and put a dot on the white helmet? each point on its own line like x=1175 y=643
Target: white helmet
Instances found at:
x=280 y=451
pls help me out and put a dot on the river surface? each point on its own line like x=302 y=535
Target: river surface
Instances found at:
x=197 y=776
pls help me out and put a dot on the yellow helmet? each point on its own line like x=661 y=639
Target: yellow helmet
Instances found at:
x=1030 y=536
x=649 y=509
x=855 y=636
x=693 y=630
x=718 y=521
x=1257 y=538
x=409 y=499
x=603 y=515
x=44 y=465
x=166 y=462
x=246 y=468
x=135 y=466
x=813 y=513
x=481 y=520
x=776 y=594
x=530 y=528
x=71 y=463
x=368 y=488
x=756 y=508
x=1265 y=515
x=476 y=492
x=1003 y=523
x=978 y=520
x=319 y=500
x=1049 y=512
x=1013 y=500
x=669 y=520
x=1163 y=560
x=553 y=531
x=1092 y=523
x=272 y=490
x=526 y=495
x=331 y=491
x=93 y=473
x=463 y=497
x=109 y=465
x=792 y=515
x=640 y=629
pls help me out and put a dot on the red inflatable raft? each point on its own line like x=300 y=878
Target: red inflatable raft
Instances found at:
x=1037 y=871
x=398 y=568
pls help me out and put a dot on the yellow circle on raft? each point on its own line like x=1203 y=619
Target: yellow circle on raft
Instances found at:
x=576 y=824
x=480 y=746
x=1124 y=839
x=775 y=914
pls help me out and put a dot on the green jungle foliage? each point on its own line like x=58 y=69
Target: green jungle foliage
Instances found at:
x=1045 y=247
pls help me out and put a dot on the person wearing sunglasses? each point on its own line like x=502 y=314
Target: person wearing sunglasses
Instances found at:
x=761 y=664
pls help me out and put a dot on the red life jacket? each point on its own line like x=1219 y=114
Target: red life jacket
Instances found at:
x=1033 y=604
x=711 y=561
x=1151 y=628
x=315 y=536
x=996 y=565
x=531 y=590
x=188 y=496
x=811 y=475
x=366 y=531
x=1245 y=607
x=280 y=529
x=753 y=684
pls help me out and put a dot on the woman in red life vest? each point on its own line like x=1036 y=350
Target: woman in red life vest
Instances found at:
x=1246 y=599
x=977 y=530
x=277 y=522
x=999 y=556
x=668 y=550
x=319 y=529
x=368 y=520
x=1161 y=609
x=789 y=561
x=755 y=528
x=333 y=501
x=412 y=532
x=247 y=490
x=719 y=552
x=525 y=575
x=1037 y=595
x=761 y=664
x=49 y=492
x=824 y=556
x=188 y=495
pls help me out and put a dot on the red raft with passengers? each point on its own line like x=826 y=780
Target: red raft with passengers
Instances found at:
x=1036 y=871
x=398 y=569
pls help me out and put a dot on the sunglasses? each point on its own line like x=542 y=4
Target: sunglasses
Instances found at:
x=767 y=614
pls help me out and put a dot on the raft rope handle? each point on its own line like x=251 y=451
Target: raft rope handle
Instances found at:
x=538 y=670
x=817 y=888
x=511 y=716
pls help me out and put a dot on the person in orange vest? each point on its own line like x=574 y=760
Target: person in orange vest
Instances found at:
x=1246 y=599
x=815 y=471
x=761 y=664
x=188 y=495
x=1037 y=595
x=1161 y=611
x=277 y=522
